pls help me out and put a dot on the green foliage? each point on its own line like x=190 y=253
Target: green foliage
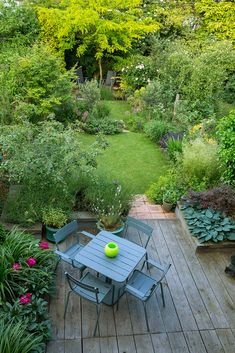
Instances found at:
x=221 y=198
x=15 y=338
x=199 y=159
x=174 y=147
x=21 y=279
x=226 y=135
x=109 y=200
x=18 y=24
x=3 y=233
x=206 y=224
x=106 y=28
x=89 y=92
x=106 y=93
x=105 y=126
x=37 y=86
x=54 y=217
x=46 y=161
x=171 y=196
x=155 y=129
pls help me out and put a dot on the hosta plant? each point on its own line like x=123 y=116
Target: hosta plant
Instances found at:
x=207 y=224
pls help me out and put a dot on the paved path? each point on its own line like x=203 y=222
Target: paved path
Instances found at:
x=143 y=209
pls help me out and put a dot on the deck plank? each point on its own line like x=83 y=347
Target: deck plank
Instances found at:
x=213 y=307
x=197 y=306
x=180 y=300
x=108 y=345
x=91 y=345
x=194 y=341
x=126 y=344
x=161 y=343
x=212 y=342
x=73 y=346
x=178 y=342
x=227 y=340
x=143 y=344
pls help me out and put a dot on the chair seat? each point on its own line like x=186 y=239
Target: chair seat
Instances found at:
x=88 y=278
x=69 y=254
x=140 y=285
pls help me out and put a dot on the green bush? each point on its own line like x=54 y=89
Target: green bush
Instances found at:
x=155 y=129
x=174 y=147
x=38 y=87
x=199 y=159
x=226 y=135
x=54 y=217
x=89 y=92
x=16 y=339
x=109 y=200
x=46 y=161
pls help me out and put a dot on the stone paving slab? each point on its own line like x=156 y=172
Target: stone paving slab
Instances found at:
x=143 y=209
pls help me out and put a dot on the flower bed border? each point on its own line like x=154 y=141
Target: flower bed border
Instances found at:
x=208 y=246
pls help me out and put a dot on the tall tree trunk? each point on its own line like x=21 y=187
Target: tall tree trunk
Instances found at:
x=101 y=72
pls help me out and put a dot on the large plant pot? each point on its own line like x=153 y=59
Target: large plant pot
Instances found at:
x=117 y=231
x=167 y=207
x=50 y=232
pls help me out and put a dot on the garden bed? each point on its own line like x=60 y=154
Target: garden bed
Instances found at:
x=209 y=245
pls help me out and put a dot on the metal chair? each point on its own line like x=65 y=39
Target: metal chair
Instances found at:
x=90 y=288
x=140 y=226
x=143 y=286
x=69 y=254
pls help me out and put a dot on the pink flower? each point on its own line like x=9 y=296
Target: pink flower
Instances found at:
x=25 y=299
x=16 y=266
x=44 y=245
x=31 y=261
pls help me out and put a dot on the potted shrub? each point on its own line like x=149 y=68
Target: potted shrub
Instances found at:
x=169 y=200
x=54 y=219
x=111 y=202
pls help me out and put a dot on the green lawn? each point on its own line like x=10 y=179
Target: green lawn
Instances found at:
x=134 y=160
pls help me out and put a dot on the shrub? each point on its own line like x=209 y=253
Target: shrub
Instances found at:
x=54 y=217
x=226 y=135
x=200 y=159
x=109 y=200
x=46 y=160
x=16 y=339
x=174 y=147
x=170 y=135
x=105 y=126
x=221 y=199
x=165 y=182
x=155 y=129
x=38 y=86
x=89 y=92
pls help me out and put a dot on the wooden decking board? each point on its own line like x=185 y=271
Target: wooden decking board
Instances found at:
x=213 y=307
x=161 y=343
x=182 y=306
x=143 y=344
x=199 y=316
x=227 y=340
x=197 y=306
x=178 y=342
x=212 y=342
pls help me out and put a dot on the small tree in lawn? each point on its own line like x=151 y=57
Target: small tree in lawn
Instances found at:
x=108 y=27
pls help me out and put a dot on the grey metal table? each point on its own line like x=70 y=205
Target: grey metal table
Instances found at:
x=118 y=268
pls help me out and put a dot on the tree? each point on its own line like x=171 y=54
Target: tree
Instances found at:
x=217 y=17
x=108 y=27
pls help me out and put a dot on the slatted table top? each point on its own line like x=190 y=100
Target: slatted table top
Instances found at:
x=117 y=268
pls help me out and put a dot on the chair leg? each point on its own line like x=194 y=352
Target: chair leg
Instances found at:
x=97 y=319
x=146 y=317
x=162 y=293
x=67 y=301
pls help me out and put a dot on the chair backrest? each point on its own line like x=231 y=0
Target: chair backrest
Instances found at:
x=140 y=226
x=68 y=229
x=73 y=282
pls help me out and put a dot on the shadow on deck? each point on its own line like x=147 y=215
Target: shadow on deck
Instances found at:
x=199 y=316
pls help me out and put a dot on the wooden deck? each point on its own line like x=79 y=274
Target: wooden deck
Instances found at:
x=199 y=316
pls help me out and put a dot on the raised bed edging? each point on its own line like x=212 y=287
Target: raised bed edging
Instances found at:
x=223 y=245
x=86 y=221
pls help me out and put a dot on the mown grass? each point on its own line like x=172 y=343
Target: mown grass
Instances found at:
x=131 y=158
